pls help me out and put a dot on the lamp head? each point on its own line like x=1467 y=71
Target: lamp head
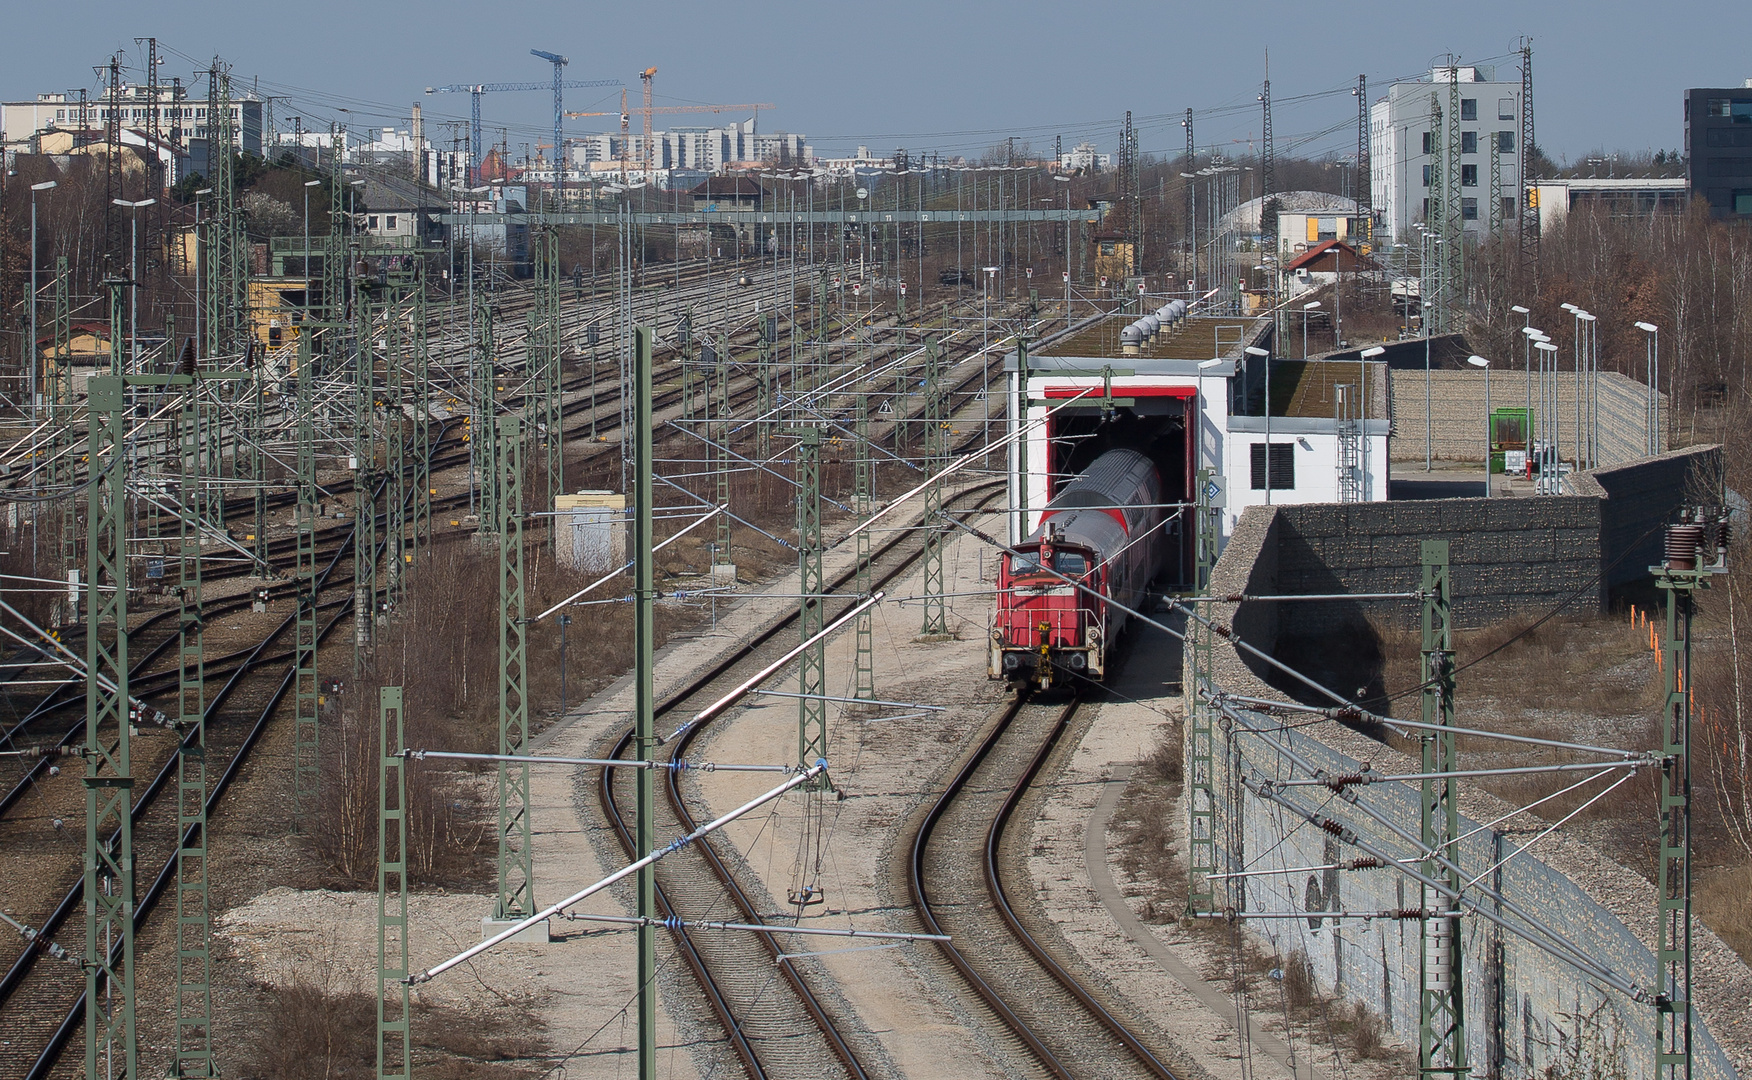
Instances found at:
x=1647 y=328
x=1310 y=305
x=1545 y=346
x=1478 y=361
x=1571 y=308
x=313 y=183
x=45 y=185
x=1254 y=350
x=1370 y=354
x=1211 y=363
x=1586 y=316
x=1519 y=310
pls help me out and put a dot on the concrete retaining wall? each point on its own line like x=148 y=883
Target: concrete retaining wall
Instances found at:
x=1456 y=413
x=1527 y=1010
x=1507 y=555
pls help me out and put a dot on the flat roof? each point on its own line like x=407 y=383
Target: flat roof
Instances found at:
x=1307 y=388
x=1196 y=337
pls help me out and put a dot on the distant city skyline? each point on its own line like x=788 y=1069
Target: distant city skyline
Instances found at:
x=956 y=79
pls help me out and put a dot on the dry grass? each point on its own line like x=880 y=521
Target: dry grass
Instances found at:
x=310 y=1032
x=1144 y=822
x=1724 y=903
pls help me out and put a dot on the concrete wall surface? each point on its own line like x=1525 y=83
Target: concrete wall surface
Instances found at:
x=1507 y=555
x=1456 y=413
x=1526 y=1009
x=1641 y=496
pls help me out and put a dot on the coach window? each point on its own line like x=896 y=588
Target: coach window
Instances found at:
x=1283 y=466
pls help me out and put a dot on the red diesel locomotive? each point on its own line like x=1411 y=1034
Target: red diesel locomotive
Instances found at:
x=1101 y=530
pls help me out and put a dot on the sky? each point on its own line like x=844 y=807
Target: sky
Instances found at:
x=948 y=77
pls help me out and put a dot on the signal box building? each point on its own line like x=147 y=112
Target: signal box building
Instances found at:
x=1191 y=397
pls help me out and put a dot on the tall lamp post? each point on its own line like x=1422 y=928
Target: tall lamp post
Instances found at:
x=134 y=277
x=1066 y=181
x=1480 y=362
x=1527 y=348
x=1265 y=355
x=1652 y=414
x=308 y=184
x=1203 y=366
x=1363 y=359
x=1548 y=354
x=1585 y=380
x=35 y=353
x=1306 y=308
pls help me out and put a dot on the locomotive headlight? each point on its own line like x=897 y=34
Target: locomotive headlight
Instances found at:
x=1011 y=661
x=1079 y=661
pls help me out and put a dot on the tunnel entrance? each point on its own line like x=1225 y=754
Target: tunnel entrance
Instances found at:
x=1155 y=425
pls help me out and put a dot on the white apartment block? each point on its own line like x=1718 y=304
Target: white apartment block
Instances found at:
x=1400 y=150
x=180 y=118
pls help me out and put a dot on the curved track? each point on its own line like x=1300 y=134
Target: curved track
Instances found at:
x=767 y=1029
x=957 y=881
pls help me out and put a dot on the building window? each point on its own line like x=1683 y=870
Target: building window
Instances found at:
x=1740 y=112
x=1505 y=142
x=1283 y=466
x=1426 y=209
x=1743 y=201
x=389 y=222
x=1508 y=207
x=371 y=222
x=1468 y=176
x=1468 y=108
x=1469 y=209
x=1469 y=142
x=1505 y=108
x=1107 y=247
x=1426 y=142
x=1426 y=176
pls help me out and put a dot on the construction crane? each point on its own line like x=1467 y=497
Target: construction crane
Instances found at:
x=646 y=158
x=475 y=90
x=557 y=158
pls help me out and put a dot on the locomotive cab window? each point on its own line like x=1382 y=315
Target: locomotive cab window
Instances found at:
x=1283 y=466
x=1070 y=564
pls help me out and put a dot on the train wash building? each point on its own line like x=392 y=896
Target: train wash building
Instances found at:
x=1189 y=391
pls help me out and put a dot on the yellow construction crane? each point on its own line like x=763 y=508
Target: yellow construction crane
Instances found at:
x=648 y=158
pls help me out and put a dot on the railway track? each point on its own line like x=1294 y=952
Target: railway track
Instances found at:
x=777 y=1028
x=35 y=995
x=958 y=874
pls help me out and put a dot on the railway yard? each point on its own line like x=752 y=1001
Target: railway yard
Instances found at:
x=587 y=637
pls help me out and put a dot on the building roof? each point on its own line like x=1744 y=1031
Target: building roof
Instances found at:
x=1245 y=218
x=726 y=187
x=1339 y=250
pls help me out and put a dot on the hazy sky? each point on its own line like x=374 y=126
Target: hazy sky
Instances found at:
x=951 y=77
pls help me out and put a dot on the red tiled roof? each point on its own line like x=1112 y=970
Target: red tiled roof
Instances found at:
x=1314 y=253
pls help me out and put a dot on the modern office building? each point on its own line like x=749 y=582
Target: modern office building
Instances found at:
x=1718 y=149
x=1400 y=146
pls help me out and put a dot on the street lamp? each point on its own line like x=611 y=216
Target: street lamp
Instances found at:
x=1066 y=181
x=1527 y=349
x=1204 y=366
x=1479 y=361
x=1548 y=353
x=308 y=184
x=1254 y=350
x=1363 y=410
x=200 y=261
x=1306 y=308
x=134 y=277
x=1651 y=414
x=35 y=353
x=1583 y=362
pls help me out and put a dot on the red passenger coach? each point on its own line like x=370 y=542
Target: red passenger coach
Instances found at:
x=1103 y=531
